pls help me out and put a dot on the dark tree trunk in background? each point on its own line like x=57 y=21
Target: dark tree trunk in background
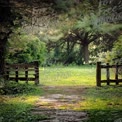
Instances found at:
x=2 y=55
x=70 y=47
x=5 y=29
x=85 y=51
x=80 y=55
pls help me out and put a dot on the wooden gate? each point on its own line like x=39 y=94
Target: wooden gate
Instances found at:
x=23 y=72
x=116 y=68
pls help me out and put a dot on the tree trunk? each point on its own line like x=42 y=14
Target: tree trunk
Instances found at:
x=6 y=22
x=70 y=47
x=80 y=55
x=1 y=62
x=2 y=56
x=85 y=53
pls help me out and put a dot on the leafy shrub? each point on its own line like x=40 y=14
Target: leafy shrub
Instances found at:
x=117 y=51
x=27 y=49
x=104 y=57
x=17 y=110
x=9 y=113
x=16 y=88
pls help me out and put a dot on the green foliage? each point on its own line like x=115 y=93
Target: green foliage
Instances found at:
x=81 y=22
x=92 y=23
x=89 y=23
x=109 y=28
x=63 y=5
x=27 y=49
x=61 y=55
x=90 y=26
x=77 y=21
x=9 y=112
x=104 y=57
x=17 y=101
x=117 y=54
x=117 y=51
x=16 y=88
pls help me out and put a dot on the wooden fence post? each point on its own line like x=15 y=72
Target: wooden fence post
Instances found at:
x=108 y=74
x=98 y=74
x=36 y=72
x=116 y=74
x=26 y=74
x=16 y=73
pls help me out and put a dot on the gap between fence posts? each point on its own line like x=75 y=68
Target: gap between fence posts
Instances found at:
x=16 y=73
x=98 y=74
x=26 y=74
x=116 y=74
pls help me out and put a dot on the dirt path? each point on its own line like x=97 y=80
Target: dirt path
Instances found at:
x=61 y=104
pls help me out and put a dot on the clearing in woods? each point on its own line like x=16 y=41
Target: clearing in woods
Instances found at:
x=70 y=95
x=65 y=94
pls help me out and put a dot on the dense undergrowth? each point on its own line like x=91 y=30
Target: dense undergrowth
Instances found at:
x=104 y=104
x=16 y=101
x=16 y=88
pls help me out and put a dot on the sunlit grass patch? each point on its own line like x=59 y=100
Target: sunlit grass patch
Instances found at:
x=68 y=76
x=18 y=101
x=101 y=104
x=104 y=104
x=72 y=75
x=106 y=97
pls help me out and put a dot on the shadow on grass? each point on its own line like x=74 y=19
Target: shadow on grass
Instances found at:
x=16 y=101
x=104 y=115
x=18 y=112
x=104 y=104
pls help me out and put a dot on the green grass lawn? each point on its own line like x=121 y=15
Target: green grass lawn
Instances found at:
x=104 y=104
x=70 y=76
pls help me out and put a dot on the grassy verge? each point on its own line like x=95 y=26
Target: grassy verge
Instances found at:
x=103 y=104
x=16 y=102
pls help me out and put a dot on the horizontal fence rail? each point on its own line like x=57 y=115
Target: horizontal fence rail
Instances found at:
x=24 y=72
x=117 y=68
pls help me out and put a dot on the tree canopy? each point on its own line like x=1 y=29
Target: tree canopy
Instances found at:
x=66 y=27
